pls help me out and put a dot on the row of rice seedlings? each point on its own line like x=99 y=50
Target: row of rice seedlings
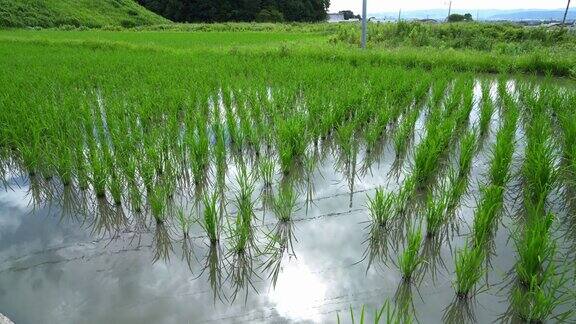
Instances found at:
x=535 y=297
x=486 y=109
x=448 y=195
x=405 y=131
x=442 y=126
x=241 y=230
x=469 y=260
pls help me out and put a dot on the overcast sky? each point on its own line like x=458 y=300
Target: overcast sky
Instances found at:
x=393 y=5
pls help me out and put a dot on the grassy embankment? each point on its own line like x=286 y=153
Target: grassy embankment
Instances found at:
x=75 y=13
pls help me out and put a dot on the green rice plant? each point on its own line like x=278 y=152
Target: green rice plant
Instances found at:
x=456 y=188
x=242 y=229
x=381 y=207
x=537 y=303
x=539 y=169
x=392 y=315
x=266 y=168
x=404 y=195
x=199 y=152
x=135 y=198
x=410 y=259
x=116 y=189
x=535 y=247
x=469 y=270
x=467 y=150
x=503 y=150
x=436 y=209
x=489 y=206
x=210 y=222
x=292 y=140
x=345 y=135
x=403 y=134
x=99 y=177
x=157 y=199
x=64 y=164
x=184 y=221
x=486 y=109
x=284 y=203
x=430 y=150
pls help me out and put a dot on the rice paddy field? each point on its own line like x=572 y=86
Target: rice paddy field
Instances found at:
x=241 y=176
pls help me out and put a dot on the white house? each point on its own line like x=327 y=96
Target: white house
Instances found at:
x=335 y=17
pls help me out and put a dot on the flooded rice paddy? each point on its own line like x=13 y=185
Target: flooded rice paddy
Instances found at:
x=69 y=256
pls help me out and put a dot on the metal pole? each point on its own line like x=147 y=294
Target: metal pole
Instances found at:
x=364 y=23
x=566 y=13
x=449 y=11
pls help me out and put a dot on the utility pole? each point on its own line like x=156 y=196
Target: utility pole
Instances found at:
x=399 y=15
x=566 y=13
x=364 y=23
x=449 y=10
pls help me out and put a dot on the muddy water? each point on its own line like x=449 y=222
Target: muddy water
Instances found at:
x=58 y=265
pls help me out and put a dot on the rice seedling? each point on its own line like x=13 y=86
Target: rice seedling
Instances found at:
x=537 y=303
x=385 y=314
x=503 y=150
x=403 y=134
x=184 y=221
x=489 y=206
x=410 y=259
x=535 y=247
x=99 y=178
x=285 y=203
x=539 y=169
x=158 y=202
x=381 y=207
x=436 y=209
x=469 y=270
x=467 y=150
x=266 y=168
x=116 y=190
x=242 y=229
x=486 y=109
x=210 y=221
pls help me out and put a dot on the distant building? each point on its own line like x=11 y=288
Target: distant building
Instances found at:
x=335 y=17
x=427 y=21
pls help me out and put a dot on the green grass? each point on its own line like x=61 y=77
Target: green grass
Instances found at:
x=89 y=13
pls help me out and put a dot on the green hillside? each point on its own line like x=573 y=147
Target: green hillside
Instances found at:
x=90 y=13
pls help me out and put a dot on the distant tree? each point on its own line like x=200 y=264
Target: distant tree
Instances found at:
x=459 y=17
x=269 y=15
x=348 y=14
x=238 y=10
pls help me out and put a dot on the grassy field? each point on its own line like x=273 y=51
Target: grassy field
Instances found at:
x=316 y=42
x=86 y=13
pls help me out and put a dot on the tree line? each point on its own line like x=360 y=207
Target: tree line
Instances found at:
x=239 y=10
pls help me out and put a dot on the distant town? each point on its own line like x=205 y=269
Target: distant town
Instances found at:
x=527 y=17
